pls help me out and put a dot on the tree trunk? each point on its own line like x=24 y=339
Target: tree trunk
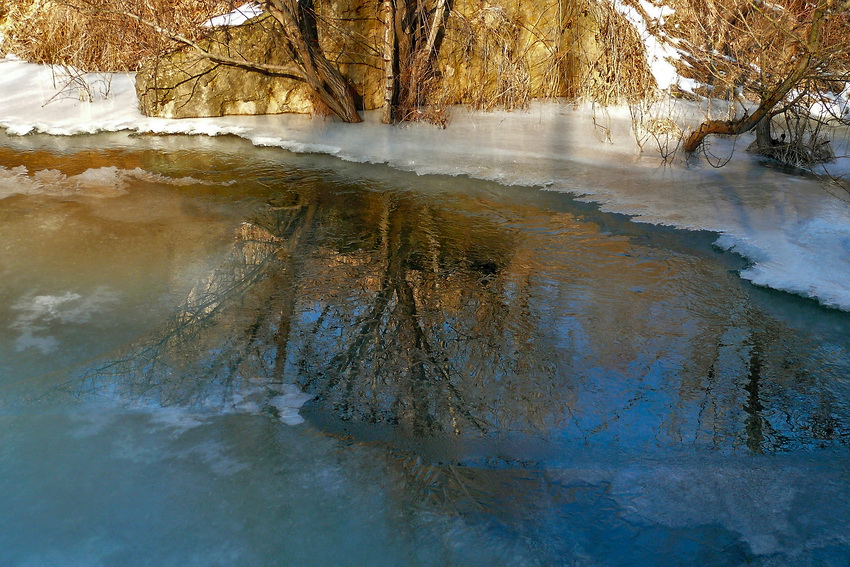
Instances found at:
x=418 y=51
x=436 y=26
x=324 y=79
x=389 y=52
x=288 y=281
x=764 y=138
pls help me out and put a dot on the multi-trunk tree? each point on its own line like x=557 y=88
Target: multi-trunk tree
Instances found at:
x=770 y=59
x=407 y=48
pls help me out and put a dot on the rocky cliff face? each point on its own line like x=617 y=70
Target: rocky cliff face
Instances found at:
x=490 y=54
x=183 y=84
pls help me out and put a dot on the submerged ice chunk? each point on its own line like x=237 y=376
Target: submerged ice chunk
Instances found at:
x=40 y=316
x=289 y=402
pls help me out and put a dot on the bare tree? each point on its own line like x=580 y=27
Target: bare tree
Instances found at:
x=784 y=55
x=299 y=26
x=389 y=60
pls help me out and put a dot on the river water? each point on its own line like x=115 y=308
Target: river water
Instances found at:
x=216 y=354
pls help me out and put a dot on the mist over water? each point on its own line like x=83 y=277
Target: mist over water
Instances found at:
x=478 y=374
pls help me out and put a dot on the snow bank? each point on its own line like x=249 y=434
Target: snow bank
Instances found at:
x=794 y=229
x=660 y=51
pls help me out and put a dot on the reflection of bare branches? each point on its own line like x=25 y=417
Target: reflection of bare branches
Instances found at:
x=189 y=356
x=520 y=502
x=426 y=321
x=418 y=348
x=147 y=365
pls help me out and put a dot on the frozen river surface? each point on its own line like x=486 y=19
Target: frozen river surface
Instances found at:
x=229 y=355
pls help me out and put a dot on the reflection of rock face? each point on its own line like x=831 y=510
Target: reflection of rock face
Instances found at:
x=491 y=54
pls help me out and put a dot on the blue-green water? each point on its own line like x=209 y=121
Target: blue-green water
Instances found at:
x=496 y=375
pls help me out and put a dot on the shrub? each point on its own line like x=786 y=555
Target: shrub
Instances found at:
x=95 y=35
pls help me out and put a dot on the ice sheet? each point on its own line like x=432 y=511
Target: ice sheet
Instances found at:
x=795 y=229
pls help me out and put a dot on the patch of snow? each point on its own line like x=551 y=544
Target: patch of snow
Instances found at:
x=832 y=105
x=289 y=402
x=825 y=105
x=237 y=17
x=660 y=53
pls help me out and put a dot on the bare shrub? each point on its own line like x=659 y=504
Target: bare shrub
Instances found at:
x=71 y=82
x=493 y=37
x=765 y=59
x=92 y=35
x=618 y=71
x=796 y=138
x=654 y=120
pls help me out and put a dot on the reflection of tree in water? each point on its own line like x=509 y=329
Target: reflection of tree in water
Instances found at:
x=216 y=346
x=443 y=317
x=570 y=516
x=377 y=304
x=446 y=315
x=421 y=324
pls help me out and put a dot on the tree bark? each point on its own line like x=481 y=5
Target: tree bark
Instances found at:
x=748 y=121
x=389 y=52
x=436 y=26
x=419 y=52
x=764 y=137
x=321 y=76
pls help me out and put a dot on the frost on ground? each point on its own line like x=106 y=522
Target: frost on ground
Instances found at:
x=794 y=229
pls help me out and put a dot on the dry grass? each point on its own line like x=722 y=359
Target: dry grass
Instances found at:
x=493 y=38
x=617 y=67
x=92 y=35
x=502 y=54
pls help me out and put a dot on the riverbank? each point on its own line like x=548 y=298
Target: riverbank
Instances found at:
x=793 y=227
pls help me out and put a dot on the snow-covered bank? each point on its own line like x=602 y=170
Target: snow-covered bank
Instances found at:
x=795 y=229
